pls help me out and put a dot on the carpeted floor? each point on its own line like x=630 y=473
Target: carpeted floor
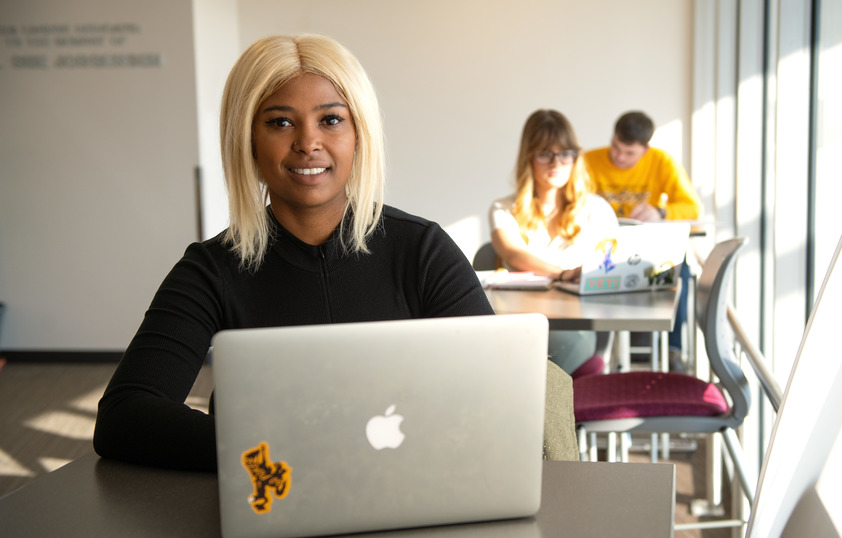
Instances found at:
x=47 y=414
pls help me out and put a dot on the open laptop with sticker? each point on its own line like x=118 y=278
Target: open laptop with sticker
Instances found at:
x=383 y=425
x=635 y=258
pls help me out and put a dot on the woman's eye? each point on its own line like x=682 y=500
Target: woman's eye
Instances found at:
x=333 y=120
x=279 y=122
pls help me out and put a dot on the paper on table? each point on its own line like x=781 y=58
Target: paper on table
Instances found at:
x=515 y=280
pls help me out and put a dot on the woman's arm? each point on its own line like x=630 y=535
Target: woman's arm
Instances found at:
x=142 y=417
x=512 y=250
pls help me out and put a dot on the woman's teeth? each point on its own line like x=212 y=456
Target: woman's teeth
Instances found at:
x=308 y=171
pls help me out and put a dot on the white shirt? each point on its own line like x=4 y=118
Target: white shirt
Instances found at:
x=596 y=219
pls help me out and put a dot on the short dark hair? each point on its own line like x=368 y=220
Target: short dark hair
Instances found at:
x=634 y=127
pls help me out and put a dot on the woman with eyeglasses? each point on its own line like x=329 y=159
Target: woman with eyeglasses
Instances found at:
x=553 y=219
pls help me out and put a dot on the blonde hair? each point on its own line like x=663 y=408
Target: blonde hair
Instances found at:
x=263 y=68
x=543 y=130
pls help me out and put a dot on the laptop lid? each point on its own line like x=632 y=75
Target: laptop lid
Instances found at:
x=365 y=426
x=634 y=258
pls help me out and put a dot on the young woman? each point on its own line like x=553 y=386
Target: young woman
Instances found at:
x=553 y=219
x=301 y=130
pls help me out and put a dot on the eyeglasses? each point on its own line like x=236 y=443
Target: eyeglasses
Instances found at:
x=565 y=157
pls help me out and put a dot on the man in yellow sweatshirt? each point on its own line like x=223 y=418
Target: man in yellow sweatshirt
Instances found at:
x=641 y=182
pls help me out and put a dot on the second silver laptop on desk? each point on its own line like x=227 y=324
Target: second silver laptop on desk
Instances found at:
x=366 y=426
x=635 y=258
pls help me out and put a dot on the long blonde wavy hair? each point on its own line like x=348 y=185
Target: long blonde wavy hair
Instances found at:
x=543 y=130
x=263 y=68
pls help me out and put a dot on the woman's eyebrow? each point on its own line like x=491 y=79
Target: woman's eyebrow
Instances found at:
x=332 y=105
x=285 y=108
x=278 y=108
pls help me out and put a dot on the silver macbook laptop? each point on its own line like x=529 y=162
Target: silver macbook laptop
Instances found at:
x=635 y=258
x=366 y=426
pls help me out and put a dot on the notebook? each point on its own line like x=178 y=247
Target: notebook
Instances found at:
x=502 y=279
x=634 y=258
x=381 y=425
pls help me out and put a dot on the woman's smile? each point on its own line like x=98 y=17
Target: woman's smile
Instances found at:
x=307 y=171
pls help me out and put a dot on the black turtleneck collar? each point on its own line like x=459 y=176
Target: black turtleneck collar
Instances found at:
x=281 y=237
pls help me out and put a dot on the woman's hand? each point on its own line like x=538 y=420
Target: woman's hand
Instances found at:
x=571 y=275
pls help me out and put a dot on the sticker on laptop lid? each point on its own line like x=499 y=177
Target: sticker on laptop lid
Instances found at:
x=663 y=275
x=271 y=480
x=607 y=247
x=607 y=283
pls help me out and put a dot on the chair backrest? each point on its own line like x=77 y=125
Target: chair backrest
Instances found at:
x=711 y=315
x=486 y=258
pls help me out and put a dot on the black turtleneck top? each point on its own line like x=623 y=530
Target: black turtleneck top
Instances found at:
x=414 y=270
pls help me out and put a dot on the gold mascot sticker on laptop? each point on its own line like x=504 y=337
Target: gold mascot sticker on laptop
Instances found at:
x=267 y=477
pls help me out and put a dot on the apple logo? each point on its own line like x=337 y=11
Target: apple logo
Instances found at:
x=384 y=431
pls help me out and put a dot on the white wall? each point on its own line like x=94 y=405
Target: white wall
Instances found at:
x=217 y=48
x=458 y=78
x=96 y=167
x=96 y=197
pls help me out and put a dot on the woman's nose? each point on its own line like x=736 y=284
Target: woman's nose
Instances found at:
x=307 y=139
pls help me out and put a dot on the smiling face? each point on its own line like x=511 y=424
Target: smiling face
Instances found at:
x=304 y=140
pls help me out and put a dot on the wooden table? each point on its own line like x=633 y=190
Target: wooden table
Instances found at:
x=95 y=497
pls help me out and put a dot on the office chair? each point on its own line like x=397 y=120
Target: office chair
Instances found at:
x=667 y=402
x=486 y=259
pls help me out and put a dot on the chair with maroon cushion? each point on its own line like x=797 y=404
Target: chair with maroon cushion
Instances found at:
x=667 y=402
x=593 y=366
